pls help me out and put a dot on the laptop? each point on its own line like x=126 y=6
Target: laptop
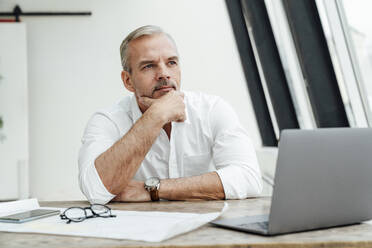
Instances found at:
x=323 y=179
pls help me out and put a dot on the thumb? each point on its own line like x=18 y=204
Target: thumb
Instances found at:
x=147 y=101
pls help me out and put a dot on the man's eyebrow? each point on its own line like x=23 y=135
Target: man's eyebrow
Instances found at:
x=173 y=58
x=144 y=62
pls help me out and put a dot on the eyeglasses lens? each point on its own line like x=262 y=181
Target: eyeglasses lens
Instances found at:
x=100 y=210
x=75 y=214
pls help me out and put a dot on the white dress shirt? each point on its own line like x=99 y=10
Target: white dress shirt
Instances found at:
x=211 y=139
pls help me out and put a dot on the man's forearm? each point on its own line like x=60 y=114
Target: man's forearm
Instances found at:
x=117 y=166
x=204 y=187
x=120 y=162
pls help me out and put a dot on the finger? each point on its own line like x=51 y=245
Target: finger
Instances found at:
x=181 y=118
x=181 y=94
x=147 y=101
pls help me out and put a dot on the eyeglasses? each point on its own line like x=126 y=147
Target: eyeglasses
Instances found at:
x=78 y=214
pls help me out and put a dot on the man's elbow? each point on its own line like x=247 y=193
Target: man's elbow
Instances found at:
x=257 y=188
x=253 y=189
x=94 y=191
x=247 y=182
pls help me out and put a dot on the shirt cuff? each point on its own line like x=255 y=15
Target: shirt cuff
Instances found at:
x=239 y=182
x=93 y=187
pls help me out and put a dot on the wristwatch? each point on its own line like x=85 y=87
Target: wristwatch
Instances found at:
x=152 y=185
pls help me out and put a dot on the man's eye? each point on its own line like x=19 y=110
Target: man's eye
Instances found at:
x=148 y=66
x=172 y=62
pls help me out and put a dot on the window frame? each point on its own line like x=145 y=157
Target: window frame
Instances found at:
x=316 y=64
x=350 y=76
x=251 y=72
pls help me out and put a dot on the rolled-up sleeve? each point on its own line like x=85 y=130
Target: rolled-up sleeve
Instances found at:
x=99 y=135
x=233 y=154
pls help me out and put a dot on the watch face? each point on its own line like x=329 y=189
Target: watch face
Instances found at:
x=152 y=181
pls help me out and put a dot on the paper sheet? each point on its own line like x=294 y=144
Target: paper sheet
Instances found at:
x=133 y=225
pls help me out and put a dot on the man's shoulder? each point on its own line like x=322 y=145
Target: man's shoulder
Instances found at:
x=118 y=110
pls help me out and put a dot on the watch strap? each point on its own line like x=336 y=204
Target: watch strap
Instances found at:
x=154 y=194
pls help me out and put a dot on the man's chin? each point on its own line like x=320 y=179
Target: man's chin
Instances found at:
x=162 y=92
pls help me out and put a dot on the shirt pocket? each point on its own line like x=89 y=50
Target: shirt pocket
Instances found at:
x=195 y=165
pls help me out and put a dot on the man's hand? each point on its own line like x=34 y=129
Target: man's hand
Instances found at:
x=169 y=107
x=134 y=192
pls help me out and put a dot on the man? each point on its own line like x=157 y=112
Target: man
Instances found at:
x=161 y=143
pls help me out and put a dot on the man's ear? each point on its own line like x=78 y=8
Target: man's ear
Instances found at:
x=125 y=77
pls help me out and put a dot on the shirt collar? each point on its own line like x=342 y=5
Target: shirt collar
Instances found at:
x=136 y=112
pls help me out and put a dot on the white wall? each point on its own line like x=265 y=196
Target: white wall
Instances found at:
x=74 y=69
x=13 y=109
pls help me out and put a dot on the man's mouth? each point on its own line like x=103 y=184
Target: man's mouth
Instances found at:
x=165 y=88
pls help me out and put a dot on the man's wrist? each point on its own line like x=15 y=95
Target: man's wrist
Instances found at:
x=157 y=116
x=152 y=185
x=164 y=192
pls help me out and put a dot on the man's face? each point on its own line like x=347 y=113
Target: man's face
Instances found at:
x=154 y=64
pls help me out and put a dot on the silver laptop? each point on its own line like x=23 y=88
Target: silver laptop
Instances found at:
x=323 y=179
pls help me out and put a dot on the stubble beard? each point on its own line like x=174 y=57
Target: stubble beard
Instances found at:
x=163 y=83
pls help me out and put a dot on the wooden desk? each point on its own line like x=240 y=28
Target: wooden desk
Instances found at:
x=206 y=236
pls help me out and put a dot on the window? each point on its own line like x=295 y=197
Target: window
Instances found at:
x=344 y=61
x=316 y=65
x=261 y=59
x=349 y=37
x=308 y=64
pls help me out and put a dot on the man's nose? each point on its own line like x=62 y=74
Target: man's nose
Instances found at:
x=162 y=73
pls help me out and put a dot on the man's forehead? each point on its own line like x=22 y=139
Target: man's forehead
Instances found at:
x=149 y=46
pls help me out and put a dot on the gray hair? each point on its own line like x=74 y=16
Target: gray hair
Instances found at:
x=139 y=32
